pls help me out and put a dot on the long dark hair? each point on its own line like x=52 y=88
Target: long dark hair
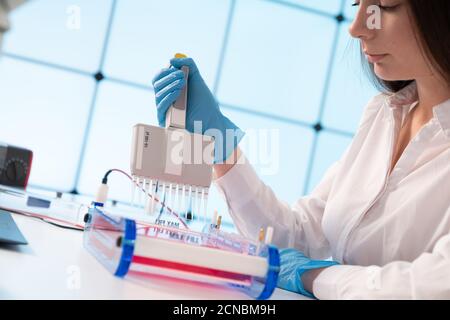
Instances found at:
x=432 y=18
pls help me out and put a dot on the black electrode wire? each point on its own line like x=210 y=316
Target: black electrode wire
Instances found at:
x=46 y=220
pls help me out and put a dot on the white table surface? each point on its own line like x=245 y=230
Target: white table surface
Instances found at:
x=54 y=265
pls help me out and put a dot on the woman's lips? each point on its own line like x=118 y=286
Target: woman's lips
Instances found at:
x=374 y=58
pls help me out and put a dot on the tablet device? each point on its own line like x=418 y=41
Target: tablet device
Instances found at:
x=9 y=232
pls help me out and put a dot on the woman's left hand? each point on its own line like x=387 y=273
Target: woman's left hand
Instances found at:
x=297 y=271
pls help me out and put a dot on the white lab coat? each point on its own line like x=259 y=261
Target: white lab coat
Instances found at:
x=390 y=232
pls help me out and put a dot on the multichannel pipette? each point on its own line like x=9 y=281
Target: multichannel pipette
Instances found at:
x=172 y=163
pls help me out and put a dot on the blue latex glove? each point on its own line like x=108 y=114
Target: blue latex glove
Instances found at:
x=293 y=264
x=202 y=106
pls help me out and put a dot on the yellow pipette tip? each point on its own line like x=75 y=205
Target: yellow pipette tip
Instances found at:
x=261 y=235
x=219 y=222
x=180 y=55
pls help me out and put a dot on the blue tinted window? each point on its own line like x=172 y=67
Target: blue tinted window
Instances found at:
x=64 y=32
x=146 y=34
x=350 y=89
x=45 y=110
x=328 y=6
x=274 y=63
x=349 y=10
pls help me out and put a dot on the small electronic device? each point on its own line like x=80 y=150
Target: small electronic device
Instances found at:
x=173 y=160
x=15 y=165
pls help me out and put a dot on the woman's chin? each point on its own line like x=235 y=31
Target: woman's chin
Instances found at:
x=385 y=75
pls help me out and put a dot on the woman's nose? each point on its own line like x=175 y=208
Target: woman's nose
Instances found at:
x=359 y=28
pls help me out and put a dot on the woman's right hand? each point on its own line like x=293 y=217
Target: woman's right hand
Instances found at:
x=202 y=107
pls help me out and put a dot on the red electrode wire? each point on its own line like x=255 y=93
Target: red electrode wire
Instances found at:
x=148 y=194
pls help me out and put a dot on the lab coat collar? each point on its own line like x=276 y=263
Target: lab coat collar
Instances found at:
x=442 y=113
x=405 y=96
x=409 y=95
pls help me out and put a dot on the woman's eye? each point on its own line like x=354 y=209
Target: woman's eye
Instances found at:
x=385 y=8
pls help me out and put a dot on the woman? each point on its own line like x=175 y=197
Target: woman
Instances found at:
x=383 y=210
